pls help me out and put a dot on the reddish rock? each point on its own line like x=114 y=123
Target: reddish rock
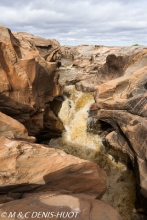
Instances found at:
x=29 y=80
x=27 y=167
x=59 y=206
x=49 y=49
x=11 y=128
x=123 y=103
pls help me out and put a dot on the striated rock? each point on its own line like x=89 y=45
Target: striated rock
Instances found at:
x=29 y=167
x=11 y=128
x=58 y=206
x=122 y=103
x=29 y=80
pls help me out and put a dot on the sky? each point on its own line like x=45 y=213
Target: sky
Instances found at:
x=74 y=22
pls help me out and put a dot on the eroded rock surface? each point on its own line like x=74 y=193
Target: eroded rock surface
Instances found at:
x=28 y=167
x=98 y=64
x=122 y=103
x=28 y=88
x=49 y=49
x=58 y=206
x=29 y=80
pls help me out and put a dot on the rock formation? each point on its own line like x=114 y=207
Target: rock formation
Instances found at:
x=29 y=81
x=118 y=75
x=58 y=206
x=122 y=103
x=30 y=98
x=98 y=64
x=28 y=167
x=13 y=129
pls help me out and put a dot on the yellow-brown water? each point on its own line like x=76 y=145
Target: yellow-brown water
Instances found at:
x=78 y=142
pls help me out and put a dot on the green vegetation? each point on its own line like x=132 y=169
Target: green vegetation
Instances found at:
x=135 y=45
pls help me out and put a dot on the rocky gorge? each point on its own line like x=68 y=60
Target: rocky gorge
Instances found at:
x=72 y=129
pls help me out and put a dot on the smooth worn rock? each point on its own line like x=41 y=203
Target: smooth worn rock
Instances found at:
x=11 y=128
x=29 y=78
x=123 y=104
x=58 y=206
x=27 y=167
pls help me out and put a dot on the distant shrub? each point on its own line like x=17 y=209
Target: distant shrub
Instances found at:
x=135 y=45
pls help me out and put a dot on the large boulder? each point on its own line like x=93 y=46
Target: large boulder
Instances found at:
x=123 y=104
x=28 y=167
x=29 y=80
x=58 y=206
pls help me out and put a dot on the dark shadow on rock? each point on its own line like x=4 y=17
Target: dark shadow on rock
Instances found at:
x=3 y=63
x=14 y=109
x=16 y=44
x=18 y=188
